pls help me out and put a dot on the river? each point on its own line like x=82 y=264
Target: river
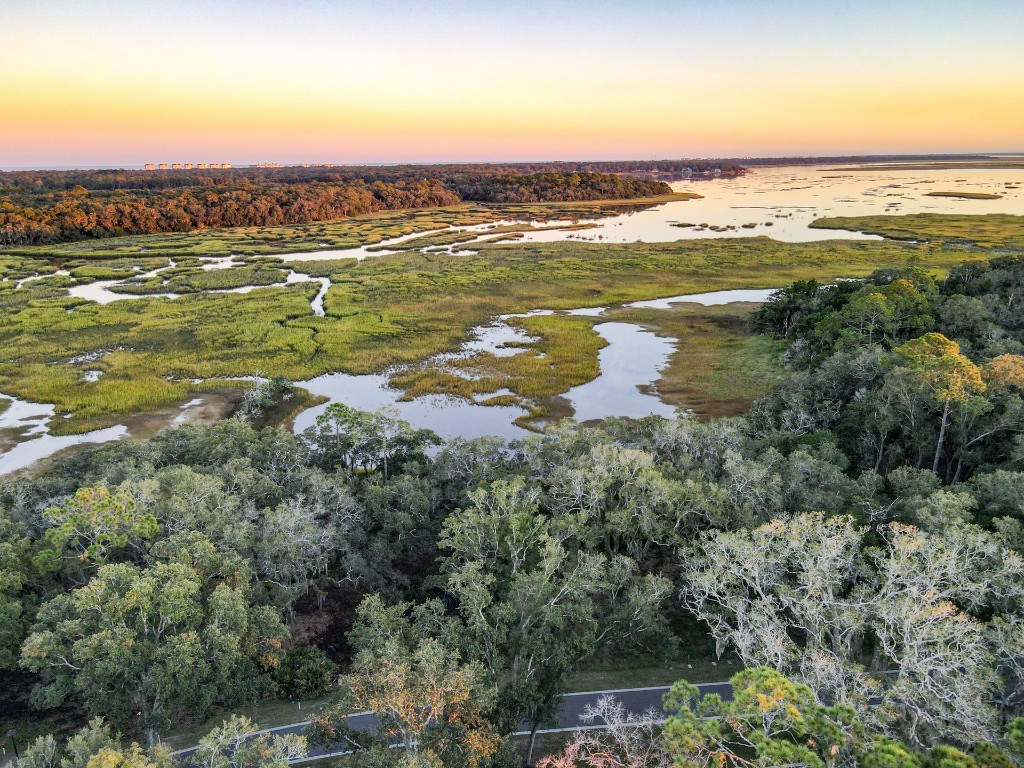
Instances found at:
x=776 y=202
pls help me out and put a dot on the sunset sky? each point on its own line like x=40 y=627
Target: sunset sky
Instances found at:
x=119 y=82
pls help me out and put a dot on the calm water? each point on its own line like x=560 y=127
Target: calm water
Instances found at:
x=778 y=202
x=633 y=359
x=447 y=416
x=31 y=421
x=105 y=291
x=790 y=198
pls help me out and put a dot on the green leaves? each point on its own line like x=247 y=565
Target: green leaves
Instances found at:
x=152 y=643
x=366 y=442
x=91 y=526
x=15 y=574
x=771 y=721
x=426 y=699
x=231 y=745
x=304 y=671
x=94 y=746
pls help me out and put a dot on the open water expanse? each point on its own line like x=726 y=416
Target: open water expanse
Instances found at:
x=774 y=202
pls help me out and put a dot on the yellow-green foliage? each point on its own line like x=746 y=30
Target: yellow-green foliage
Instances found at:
x=101 y=272
x=717 y=369
x=381 y=312
x=563 y=356
x=13 y=269
x=989 y=231
x=223 y=279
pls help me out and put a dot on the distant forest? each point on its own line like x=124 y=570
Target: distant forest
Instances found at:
x=42 y=207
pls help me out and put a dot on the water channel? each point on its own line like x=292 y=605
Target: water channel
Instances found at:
x=776 y=202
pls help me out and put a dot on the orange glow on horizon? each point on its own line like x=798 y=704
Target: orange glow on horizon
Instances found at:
x=307 y=97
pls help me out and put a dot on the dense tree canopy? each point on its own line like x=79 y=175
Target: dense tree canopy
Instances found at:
x=39 y=207
x=860 y=531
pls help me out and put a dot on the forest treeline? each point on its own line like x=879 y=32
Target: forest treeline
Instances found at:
x=41 y=207
x=856 y=541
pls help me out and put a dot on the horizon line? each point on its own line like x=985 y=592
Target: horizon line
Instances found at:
x=993 y=155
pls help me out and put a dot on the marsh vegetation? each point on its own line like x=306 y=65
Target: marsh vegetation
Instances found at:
x=379 y=313
x=873 y=494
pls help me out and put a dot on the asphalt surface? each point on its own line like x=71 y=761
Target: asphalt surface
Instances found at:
x=636 y=700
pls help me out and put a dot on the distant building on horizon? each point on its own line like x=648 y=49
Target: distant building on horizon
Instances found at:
x=162 y=166
x=150 y=167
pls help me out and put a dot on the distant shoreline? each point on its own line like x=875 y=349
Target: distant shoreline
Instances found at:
x=857 y=160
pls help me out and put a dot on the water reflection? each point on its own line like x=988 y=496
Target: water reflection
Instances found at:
x=779 y=203
x=632 y=360
x=31 y=421
x=776 y=202
x=447 y=416
x=710 y=299
x=629 y=365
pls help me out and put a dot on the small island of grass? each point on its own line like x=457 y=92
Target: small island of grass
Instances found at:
x=965 y=195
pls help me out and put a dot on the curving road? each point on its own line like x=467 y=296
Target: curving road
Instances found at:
x=636 y=701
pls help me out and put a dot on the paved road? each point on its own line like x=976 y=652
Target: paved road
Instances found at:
x=636 y=700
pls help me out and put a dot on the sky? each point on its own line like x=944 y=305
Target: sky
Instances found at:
x=125 y=82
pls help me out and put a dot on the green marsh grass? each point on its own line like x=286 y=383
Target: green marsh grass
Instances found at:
x=718 y=368
x=993 y=230
x=388 y=311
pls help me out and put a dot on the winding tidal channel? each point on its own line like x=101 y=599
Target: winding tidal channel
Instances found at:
x=776 y=202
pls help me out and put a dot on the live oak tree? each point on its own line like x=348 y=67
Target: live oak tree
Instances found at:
x=617 y=501
x=233 y=745
x=946 y=375
x=16 y=572
x=94 y=746
x=428 y=702
x=144 y=645
x=287 y=544
x=804 y=596
x=365 y=442
x=532 y=607
x=754 y=587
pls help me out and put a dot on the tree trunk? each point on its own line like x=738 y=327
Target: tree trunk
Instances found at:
x=533 y=742
x=942 y=439
x=881 y=454
x=959 y=470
